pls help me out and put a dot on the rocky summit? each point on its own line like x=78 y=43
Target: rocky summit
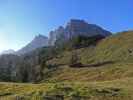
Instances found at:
x=76 y=27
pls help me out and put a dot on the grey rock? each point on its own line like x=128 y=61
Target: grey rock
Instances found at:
x=74 y=28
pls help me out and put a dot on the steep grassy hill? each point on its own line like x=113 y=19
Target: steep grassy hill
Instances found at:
x=113 y=57
x=117 y=48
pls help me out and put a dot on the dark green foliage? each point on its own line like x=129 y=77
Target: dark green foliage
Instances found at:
x=83 y=41
x=78 y=42
x=75 y=60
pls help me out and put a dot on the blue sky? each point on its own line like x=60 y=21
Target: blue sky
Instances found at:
x=21 y=20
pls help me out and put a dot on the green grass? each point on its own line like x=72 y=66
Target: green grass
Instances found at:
x=117 y=48
x=107 y=90
x=102 y=73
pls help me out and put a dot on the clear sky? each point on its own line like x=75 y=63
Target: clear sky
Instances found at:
x=21 y=20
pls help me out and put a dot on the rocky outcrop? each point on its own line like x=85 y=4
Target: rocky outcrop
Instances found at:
x=75 y=28
x=53 y=35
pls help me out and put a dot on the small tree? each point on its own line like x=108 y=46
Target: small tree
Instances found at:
x=74 y=60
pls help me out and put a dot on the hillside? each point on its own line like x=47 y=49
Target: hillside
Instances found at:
x=113 y=54
x=106 y=75
x=66 y=50
x=117 y=48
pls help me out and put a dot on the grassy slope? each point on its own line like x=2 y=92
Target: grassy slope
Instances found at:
x=117 y=48
x=102 y=73
x=106 y=82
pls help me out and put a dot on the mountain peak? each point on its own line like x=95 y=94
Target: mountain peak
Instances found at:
x=38 y=42
x=76 y=21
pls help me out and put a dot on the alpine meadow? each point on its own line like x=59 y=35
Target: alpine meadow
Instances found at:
x=84 y=56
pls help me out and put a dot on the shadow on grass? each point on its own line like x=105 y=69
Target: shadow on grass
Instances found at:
x=80 y=65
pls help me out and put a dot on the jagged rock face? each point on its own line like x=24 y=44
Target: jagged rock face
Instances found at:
x=75 y=28
x=38 y=42
x=56 y=34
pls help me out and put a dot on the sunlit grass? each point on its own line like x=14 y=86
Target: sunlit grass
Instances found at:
x=111 y=90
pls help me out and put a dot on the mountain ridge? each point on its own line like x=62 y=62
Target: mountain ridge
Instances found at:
x=75 y=27
x=37 y=42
